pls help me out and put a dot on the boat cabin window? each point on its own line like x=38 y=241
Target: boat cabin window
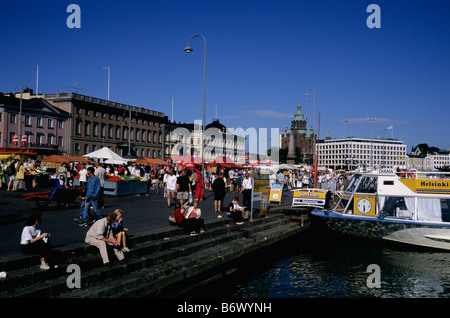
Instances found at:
x=367 y=185
x=431 y=210
x=353 y=182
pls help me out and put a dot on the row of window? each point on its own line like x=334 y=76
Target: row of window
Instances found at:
x=95 y=114
x=118 y=132
x=28 y=121
x=379 y=152
x=362 y=146
x=39 y=138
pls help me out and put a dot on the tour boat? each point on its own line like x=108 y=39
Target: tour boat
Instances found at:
x=403 y=206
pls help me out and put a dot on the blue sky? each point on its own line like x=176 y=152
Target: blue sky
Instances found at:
x=262 y=57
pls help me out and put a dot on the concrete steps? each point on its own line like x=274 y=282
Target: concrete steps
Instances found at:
x=157 y=261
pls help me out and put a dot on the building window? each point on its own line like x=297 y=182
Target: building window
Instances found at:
x=13 y=119
x=60 y=124
x=78 y=128
x=86 y=128
x=50 y=123
x=103 y=131
x=117 y=132
x=39 y=138
x=95 y=129
x=39 y=122
x=86 y=148
x=60 y=141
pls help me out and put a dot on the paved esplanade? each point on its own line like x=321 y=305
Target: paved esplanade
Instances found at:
x=142 y=214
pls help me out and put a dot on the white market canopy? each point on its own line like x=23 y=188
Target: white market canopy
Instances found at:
x=106 y=155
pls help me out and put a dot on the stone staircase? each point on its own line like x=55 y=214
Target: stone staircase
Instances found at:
x=156 y=263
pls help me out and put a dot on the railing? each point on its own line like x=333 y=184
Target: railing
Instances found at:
x=103 y=102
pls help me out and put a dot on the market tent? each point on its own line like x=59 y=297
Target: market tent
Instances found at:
x=225 y=162
x=150 y=161
x=62 y=158
x=186 y=160
x=106 y=155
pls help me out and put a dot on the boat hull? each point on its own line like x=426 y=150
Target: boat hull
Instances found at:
x=432 y=235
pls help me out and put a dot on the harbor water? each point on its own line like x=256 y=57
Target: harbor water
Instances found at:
x=320 y=263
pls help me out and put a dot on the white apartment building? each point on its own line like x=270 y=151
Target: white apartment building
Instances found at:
x=185 y=139
x=428 y=163
x=350 y=153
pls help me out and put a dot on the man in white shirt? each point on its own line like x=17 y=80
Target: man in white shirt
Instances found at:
x=171 y=182
x=246 y=190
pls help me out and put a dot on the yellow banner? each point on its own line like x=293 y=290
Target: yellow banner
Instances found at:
x=261 y=185
x=436 y=186
x=309 y=194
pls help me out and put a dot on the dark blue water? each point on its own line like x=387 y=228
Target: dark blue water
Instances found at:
x=324 y=264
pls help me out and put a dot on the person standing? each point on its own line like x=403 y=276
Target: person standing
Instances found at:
x=331 y=189
x=199 y=187
x=19 y=183
x=246 y=190
x=171 y=181
x=93 y=191
x=11 y=171
x=219 y=189
x=83 y=175
x=100 y=173
x=183 y=187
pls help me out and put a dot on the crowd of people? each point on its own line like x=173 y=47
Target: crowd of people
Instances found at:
x=13 y=172
x=183 y=189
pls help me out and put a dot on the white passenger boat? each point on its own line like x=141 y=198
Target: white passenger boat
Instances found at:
x=405 y=207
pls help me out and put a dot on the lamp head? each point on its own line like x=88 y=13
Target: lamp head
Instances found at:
x=188 y=49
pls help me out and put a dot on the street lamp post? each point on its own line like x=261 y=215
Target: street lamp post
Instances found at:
x=188 y=49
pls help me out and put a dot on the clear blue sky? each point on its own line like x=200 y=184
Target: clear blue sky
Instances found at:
x=262 y=57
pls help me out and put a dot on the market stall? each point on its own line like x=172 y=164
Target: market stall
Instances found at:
x=124 y=185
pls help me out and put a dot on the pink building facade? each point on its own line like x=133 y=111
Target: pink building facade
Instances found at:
x=42 y=126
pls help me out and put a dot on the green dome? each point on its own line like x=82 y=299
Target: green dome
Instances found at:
x=299 y=115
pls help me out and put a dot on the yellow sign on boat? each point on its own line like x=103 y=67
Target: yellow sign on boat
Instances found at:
x=364 y=205
x=433 y=186
x=309 y=194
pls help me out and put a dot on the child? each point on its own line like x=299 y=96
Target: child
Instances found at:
x=118 y=230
